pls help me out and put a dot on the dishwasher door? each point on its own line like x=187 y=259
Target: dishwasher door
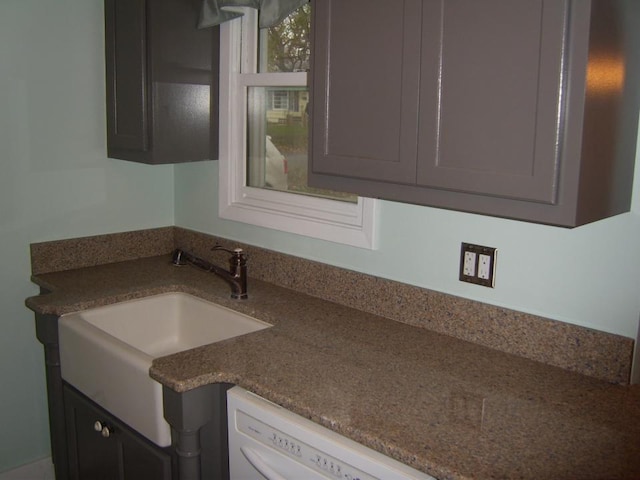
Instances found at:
x=269 y=442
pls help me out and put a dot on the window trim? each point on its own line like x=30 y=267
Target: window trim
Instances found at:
x=341 y=222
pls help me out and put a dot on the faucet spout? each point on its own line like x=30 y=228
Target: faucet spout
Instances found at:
x=236 y=276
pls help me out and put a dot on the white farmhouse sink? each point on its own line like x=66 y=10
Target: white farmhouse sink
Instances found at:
x=106 y=352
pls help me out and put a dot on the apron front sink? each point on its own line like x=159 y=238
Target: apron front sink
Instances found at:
x=106 y=352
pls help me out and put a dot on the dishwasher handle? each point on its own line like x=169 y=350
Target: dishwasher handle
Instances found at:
x=259 y=464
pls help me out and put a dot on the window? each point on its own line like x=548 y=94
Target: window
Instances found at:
x=263 y=140
x=279 y=99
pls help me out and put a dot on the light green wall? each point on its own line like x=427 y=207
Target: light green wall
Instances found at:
x=55 y=182
x=585 y=276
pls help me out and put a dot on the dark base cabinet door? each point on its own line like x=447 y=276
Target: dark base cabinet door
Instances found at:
x=118 y=454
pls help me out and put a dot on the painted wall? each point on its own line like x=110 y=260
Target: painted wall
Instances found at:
x=586 y=276
x=55 y=182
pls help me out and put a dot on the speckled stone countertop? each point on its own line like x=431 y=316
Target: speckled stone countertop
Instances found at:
x=450 y=408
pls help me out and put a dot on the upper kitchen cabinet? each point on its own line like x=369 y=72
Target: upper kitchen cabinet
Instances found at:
x=525 y=109
x=162 y=82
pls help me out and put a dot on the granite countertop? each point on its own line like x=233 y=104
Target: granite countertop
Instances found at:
x=450 y=408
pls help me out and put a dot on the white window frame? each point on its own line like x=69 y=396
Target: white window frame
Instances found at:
x=337 y=221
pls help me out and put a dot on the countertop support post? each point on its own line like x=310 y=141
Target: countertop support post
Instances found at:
x=188 y=449
x=198 y=420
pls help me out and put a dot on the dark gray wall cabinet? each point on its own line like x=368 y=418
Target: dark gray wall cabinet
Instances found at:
x=526 y=109
x=162 y=82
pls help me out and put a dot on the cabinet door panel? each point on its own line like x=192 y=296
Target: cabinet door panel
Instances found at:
x=90 y=455
x=126 y=59
x=494 y=128
x=367 y=92
x=162 y=82
x=124 y=455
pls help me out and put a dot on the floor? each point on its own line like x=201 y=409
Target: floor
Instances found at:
x=41 y=470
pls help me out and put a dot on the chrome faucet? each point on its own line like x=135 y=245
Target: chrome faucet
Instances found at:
x=236 y=276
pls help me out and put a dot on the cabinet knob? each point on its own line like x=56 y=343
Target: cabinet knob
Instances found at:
x=104 y=430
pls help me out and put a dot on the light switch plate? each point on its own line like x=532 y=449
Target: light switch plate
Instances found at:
x=478 y=264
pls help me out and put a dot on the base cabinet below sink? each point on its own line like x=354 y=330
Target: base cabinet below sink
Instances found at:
x=198 y=419
x=120 y=454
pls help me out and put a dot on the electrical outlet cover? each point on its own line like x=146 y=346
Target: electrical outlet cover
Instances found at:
x=478 y=264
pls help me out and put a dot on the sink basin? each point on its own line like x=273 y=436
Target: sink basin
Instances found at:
x=106 y=352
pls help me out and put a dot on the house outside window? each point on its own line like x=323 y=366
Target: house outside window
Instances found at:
x=279 y=100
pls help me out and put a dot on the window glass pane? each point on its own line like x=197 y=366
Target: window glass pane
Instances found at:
x=277 y=141
x=285 y=47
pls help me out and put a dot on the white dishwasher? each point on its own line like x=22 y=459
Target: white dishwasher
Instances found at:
x=268 y=442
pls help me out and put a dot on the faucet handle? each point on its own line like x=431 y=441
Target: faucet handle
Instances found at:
x=235 y=251
x=238 y=255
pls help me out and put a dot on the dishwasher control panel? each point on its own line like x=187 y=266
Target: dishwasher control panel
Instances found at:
x=297 y=449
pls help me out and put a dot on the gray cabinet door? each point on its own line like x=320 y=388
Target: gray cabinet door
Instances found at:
x=124 y=455
x=366 y=91
x=126 y=59
x=162 y=77
x=461 y=95
x=490 y=97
